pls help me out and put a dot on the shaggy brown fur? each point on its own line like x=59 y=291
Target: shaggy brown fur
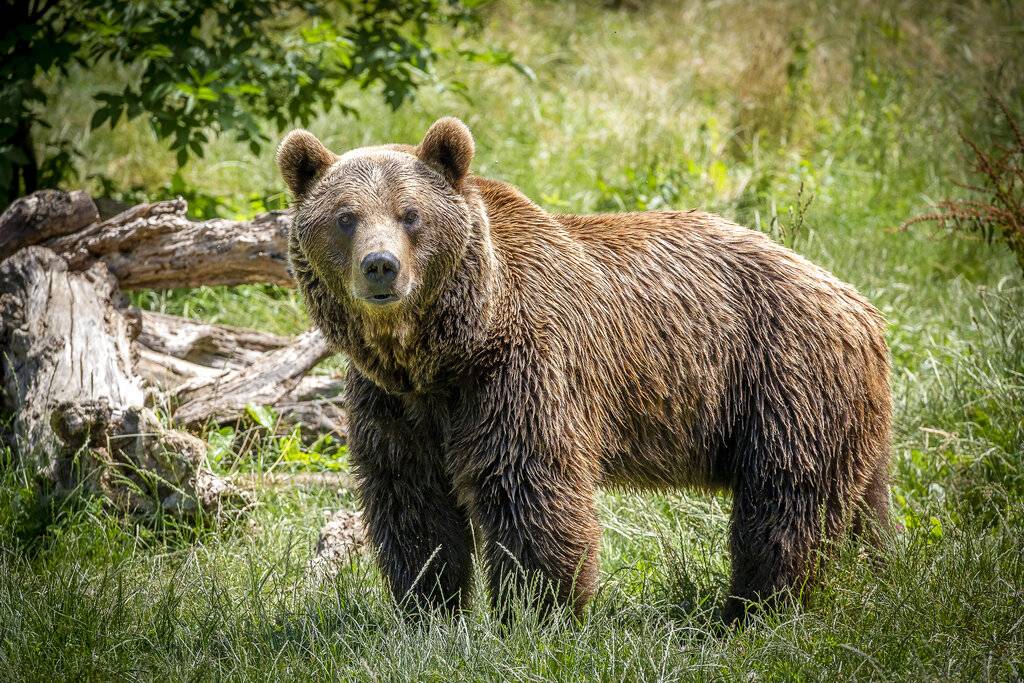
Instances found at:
x=528 y=358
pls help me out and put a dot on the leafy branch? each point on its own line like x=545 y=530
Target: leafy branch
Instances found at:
x=204 y=69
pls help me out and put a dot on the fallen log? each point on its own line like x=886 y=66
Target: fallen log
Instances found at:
x=157 y=246
x=266 y=381
x=170 y=373
x=173 y=350
x=44 y=215
x=215 y=346
x=79 y=416
x=317 y=387
x=164 y=372
x=178 y=355
x=314 y=417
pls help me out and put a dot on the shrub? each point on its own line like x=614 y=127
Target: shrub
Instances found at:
x=995 y=208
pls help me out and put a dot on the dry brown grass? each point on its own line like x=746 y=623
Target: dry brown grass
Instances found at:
x=995 y=206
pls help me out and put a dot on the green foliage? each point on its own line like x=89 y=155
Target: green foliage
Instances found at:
x=323 y=455
x=257 y=444
x=202 y=204
x=685 y=184
x=264 y=416
x=269 y=307
x=199 y=70
x=98 y=599
x=995 y=209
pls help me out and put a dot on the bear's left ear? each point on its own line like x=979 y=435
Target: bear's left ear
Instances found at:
x=448 y=148
x=302 y=159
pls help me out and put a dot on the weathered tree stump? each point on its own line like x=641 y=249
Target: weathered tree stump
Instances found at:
x=78 y=407
x=78 y=369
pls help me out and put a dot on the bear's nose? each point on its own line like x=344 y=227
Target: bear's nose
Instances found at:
x=380 y=268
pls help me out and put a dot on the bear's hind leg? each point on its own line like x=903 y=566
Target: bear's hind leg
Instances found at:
x=871 y=518
x=777 y=528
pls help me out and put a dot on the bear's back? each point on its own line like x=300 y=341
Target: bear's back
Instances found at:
x=668 y=322
x=684 y=256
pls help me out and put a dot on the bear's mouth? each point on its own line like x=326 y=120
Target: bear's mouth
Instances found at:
x=381 y=299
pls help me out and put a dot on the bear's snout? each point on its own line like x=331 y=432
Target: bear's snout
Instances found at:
x=379 y=269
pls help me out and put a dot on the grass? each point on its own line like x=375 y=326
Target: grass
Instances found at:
x=747 y=112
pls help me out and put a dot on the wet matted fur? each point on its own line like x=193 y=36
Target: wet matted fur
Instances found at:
x=532 y=357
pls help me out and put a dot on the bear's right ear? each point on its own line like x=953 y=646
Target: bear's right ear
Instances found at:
x=448 y=147
x=302 y=160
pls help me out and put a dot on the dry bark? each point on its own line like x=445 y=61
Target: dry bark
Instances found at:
x=78 y=406
x=267 y=381
x=315 y=417
x=317 y=387
x=342 y=536
x=170 y=373
x=157 y=246
x=219 y=347
x=180 y=356
x=43 y=215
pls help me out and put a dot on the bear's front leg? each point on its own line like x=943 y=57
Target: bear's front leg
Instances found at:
x=532 y=497
x=541 y=537
x=418 y=529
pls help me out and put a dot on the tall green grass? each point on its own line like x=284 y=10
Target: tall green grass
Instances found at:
x=100 y=599
x=747 y=110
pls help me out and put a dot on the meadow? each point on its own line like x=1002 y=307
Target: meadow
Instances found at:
x=824 y=125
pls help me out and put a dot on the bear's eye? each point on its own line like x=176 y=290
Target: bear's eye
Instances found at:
x=346 y=220
x=411 y=217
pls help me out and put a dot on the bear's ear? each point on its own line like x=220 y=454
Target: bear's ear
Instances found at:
x=302 y=160
x=448 y=148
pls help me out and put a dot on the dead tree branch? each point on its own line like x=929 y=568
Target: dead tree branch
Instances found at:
x=265 y=382
x=157 y=246
x=44 y=215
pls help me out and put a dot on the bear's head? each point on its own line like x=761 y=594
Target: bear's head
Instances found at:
x=383 y=227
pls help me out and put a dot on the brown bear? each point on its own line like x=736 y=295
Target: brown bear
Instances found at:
x=505 y=362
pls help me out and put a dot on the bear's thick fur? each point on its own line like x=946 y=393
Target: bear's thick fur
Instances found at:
x=505 y=362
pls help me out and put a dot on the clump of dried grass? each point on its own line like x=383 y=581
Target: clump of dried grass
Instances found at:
x=995 y=209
